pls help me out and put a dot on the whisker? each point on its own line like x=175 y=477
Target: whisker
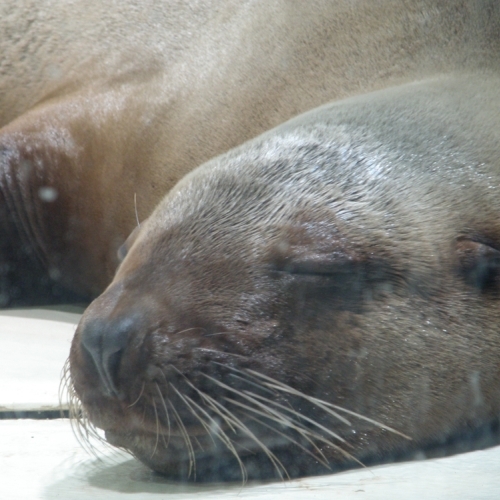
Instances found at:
x=244 y=376
x=284 y=388
x=83 y=430
x=225 y=439
x=297 y=414
x=272 y=457
x=280 y=419
x=306 y=433
x=367 y=419
x=157 y=428
x=251 y=399
x=321 y=438
x=215 y=406
x=164 y=404
x=200 y=446
x=217 y=333
x=257 y=386
x=322 y=461
x=232 y=354
x=200 y=393
x=187 y=440
x=136 y=212
x=314 y=435
x=138 y=397
x=193 y=328
x=193 y=411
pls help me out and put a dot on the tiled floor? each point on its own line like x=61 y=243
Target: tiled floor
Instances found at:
x=41 y=459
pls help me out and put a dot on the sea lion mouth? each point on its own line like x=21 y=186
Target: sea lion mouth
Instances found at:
x=244 y=418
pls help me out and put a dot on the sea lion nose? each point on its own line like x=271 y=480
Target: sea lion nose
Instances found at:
x=105 y=340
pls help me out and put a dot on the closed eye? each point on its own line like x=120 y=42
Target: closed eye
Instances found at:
x=346 y=285
x=368 y=271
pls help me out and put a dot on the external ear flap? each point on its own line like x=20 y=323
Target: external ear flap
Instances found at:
x=479 y=264
x=123 y=250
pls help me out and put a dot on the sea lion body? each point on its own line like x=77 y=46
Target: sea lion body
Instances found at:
x=343 y=266
x=104 y=108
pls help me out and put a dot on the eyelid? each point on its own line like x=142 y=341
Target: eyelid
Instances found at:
x=319 y=267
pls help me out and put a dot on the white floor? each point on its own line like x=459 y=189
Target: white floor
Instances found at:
x=34 y=344
x=41 y=459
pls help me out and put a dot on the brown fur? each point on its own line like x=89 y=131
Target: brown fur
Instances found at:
x=110 y=104
x=343 y=266
x=350 y=255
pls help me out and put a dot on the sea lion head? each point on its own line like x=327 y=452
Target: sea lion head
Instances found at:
x=314 y=298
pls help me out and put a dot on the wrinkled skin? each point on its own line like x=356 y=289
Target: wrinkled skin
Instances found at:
x=350 y=255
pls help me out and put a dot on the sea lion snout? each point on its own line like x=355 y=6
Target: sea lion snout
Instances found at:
x=105 y=341
x=108 y=343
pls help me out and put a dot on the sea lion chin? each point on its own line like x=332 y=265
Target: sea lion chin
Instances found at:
x=322 y=296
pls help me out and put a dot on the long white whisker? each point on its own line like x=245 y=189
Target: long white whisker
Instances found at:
x=312 y=434
x=322 y=461
x=138 y=397
x=244 y=395
x=323 y=404
x=164 y=404
x=157 y=429
x=136 y=212
x=285 y=388
x=226 y=440
x=300 y=415
x=187 y=440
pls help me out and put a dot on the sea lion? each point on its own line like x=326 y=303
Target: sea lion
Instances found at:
x=323 y=295
x=103 y=108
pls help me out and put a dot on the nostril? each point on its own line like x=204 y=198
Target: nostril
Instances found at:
x=105 y=341
x=111 y=367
